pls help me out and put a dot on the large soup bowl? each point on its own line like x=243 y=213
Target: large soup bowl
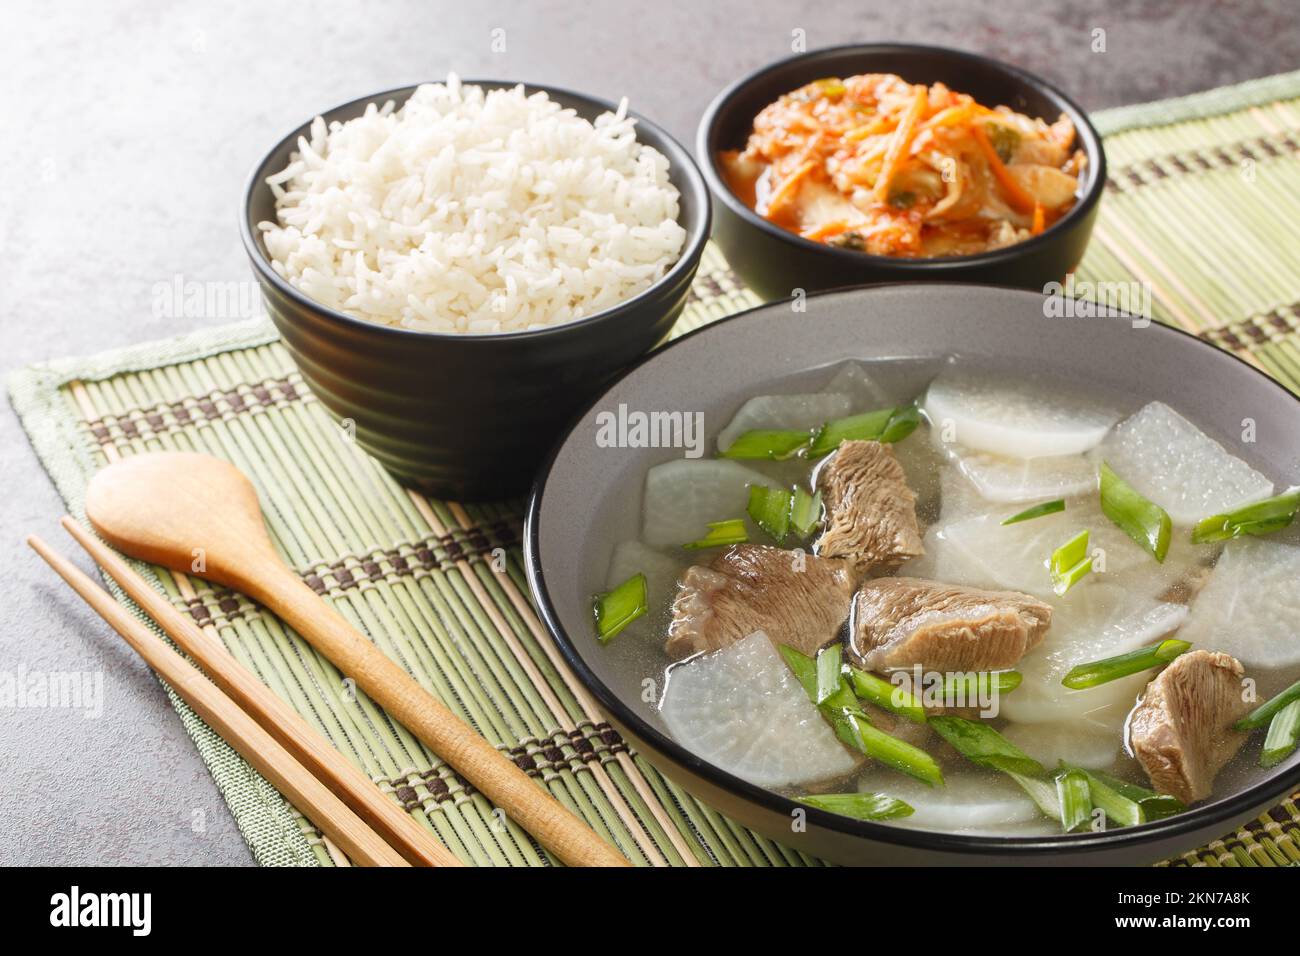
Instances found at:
x=589 y=498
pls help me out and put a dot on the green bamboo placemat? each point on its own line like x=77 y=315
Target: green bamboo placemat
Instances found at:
x=1203 y=196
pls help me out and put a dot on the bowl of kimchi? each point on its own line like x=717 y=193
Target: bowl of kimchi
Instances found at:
x=895 y=162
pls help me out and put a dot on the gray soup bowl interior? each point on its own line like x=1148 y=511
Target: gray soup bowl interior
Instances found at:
x=589 y=500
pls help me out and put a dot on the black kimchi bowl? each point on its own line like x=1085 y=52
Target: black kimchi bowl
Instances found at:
x=469 y=416
x=775 y=262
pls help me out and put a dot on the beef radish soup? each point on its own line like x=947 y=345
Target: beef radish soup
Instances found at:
x=969 y=601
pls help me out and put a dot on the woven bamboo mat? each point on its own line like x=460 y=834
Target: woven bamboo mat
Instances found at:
x=1202 y=204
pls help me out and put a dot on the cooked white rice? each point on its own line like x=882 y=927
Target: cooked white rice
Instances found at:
x=466 y=211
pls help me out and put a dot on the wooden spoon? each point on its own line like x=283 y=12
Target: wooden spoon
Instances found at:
x=200 y=515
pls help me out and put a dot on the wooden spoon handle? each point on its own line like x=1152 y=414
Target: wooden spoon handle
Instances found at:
x=483 y=765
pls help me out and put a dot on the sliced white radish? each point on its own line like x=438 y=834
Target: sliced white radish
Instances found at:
x=1088 y=625
x=1082 y=743
x=979 y=551
x=959 y=498
x=1179 y=467
x=1250 y=607
x=742 y=710
x=1017 y=480
x=982 y=552
x=684 y=495
x=856 y=381
x=785 y=412
x=969 y=799
x=1016 y=419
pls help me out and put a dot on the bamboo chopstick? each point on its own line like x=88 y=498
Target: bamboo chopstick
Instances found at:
x=237 y=728
x=417 y=845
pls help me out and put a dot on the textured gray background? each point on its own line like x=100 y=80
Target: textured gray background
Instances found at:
x=128 y=130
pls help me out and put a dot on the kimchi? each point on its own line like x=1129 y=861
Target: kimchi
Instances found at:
x=876 y=164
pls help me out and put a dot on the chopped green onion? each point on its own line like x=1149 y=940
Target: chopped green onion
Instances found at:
x=828 y=673
x=1117 y=807
x=771 y=444
x=1068 y=579
x=1126 y=803
x=860 y=806
x=1219 y=528
x=840 y=708
x=1154 y=806
x=721 y=533
x=1095 y=673
x=1266 y=711
x=1004 y=139
x=868 y=426
x=1074 y=798
x=896 y=753
x=770 y=509
x=1064 y=796
x=902 y=423
x=1257 y=529
x=977 y=686
x=1070 y=553
x=885 y=695
x=1070 y=562
x=831 y=87
x=1042 y=792
x=885 y=425
x=1037 y=511
x=905 y=199
x=804 y=667
x=778 y=512
x=981 y=744
x=1006 y=681
x=1282 y=735
x=848 y=723
x=618 y=608
x=1263 y=517
x=805 y=512
x=853 y=727
x=805 y=671
x=1142 y=520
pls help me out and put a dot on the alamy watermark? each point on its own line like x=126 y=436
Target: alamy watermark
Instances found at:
x=632 y=428
x=41 y=690
x=184 y=298
x=1081 y=299
x=133 y=911
x=950 y=690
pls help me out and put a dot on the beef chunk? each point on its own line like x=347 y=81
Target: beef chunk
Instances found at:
x=904 y=622
x=1181 y=731
x=798 y=599
x=871 y=512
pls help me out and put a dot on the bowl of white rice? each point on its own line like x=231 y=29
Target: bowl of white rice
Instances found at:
x=459 y=267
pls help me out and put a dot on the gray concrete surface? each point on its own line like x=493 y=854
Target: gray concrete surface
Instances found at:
x=128 y=130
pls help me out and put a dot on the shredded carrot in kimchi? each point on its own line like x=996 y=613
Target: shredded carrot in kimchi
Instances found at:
x=879 y=165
